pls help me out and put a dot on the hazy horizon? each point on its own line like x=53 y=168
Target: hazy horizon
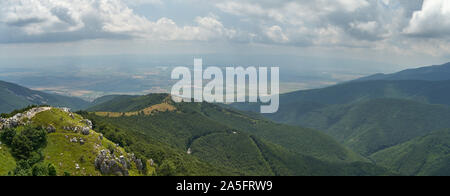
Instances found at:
x=89 y=48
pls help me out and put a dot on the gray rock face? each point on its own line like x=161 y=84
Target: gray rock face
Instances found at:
x=67 y=110
x=78 y=129
x=152 y=162
x=87 y=122
x=74 y=140
x=85 y=130
x=2 y=121
x=12 y=122
x=21 y=118
x=138 y=162
x=51 y=129
x=110 y=165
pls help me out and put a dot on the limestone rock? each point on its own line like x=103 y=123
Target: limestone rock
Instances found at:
x=85 y=130
x=109 y=165
x=51 y=129
x=74 y=140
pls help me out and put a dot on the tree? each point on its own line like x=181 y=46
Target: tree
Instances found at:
x=167 y=168
x=7 y=136
x=22 y=169
x=21 y=147
x=36 y=135
x=66 y=173
x=40 y=170
x=51 y=170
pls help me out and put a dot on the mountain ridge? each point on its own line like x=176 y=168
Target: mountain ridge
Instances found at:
x=13 y=96
x=210 y=140
x=429 y=73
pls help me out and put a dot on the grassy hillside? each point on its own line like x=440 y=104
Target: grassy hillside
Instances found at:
x=65 y=156
x=127 y=103
x=7 y=162
x=426 y=155
x=229 y=139
x=15 y=97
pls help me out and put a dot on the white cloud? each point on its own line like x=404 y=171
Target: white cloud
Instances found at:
x=276 y=34
x=374 y=24
x=369 y=27
x=433 y=20
x=38 y=19
x=144 y=2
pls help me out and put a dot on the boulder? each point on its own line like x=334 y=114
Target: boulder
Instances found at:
x=139 y=164
x=109 y=165
x=152 y=162
x=51 y=129
x=85 y=130
x=87 y=122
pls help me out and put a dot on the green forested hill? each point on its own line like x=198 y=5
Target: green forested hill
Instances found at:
x=377 y=124
x=368 y=116
x=127 y=103
x=430 y=73
x=228 y=139
x=14 y=97
x=373 y=125
x=434 y=92
x=296 y=103
x=426 y=155
x=372 y=116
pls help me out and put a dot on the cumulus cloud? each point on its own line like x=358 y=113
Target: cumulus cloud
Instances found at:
x=275 y=33
x=380 y=24
x=433 y=20
x=56 y=20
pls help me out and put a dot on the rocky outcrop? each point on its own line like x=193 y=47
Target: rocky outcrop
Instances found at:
x=85 y=130
x=87 y=122
x=51 y=129
x=74 y=140
x=78 y=129
x=21 y=118
x=109 y=164
x=12 y=122
x=138 y=162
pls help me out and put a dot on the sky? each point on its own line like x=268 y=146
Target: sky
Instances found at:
x=406 y=33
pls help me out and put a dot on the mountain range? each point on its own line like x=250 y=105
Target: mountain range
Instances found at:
x=393 y=124
x=372 y=117
x=13 y=97
x=429 y=73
